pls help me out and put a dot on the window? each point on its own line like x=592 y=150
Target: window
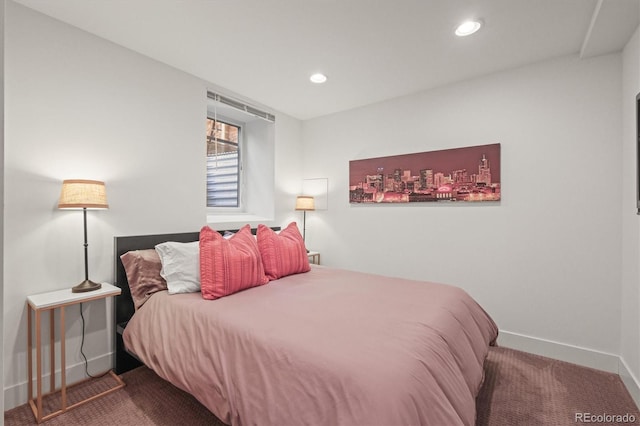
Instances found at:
x=223 y=163
x=240 y=161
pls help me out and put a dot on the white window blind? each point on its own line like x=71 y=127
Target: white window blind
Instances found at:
x=248 y=109
x=222 y=180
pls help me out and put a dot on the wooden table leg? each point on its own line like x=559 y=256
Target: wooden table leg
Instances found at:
x=63 y=362
x=52 y=351
x=29 y=354
x=38 y=366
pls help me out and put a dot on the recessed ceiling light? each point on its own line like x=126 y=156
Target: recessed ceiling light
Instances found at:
x=318 y=78
x=468 y=28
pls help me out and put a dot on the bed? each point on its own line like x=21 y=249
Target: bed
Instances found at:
x=325 y=347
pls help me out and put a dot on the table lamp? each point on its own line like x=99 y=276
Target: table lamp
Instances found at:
x=83 y=194
x=304 y=203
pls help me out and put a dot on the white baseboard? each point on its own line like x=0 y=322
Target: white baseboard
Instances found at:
x=16 y=395
x=574 y=354
x=561 y=351
x=630 y=381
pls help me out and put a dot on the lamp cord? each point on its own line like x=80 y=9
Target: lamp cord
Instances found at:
x=86 y=363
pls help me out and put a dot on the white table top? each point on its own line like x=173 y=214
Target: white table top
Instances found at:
x=312 y=253
x=67 y=297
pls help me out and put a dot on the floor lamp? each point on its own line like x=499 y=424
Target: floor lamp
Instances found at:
x=83 y=194
x=304 y=203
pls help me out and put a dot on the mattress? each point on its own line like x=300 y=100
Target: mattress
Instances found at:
x=327 y=347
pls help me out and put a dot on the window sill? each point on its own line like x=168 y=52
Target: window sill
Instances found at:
x=240 y=218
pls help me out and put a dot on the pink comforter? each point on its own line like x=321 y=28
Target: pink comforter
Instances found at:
x=329 y=347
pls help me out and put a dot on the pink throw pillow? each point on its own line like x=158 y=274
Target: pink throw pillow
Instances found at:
x=284 y=253
x=143 y=274
x=229 y=265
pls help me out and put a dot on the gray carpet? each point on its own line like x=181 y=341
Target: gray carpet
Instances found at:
x=519 y=389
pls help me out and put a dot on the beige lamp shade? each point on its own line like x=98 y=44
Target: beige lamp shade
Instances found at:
x=305 y=203
x=82 y=193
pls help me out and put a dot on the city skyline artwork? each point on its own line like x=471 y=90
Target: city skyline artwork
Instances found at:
x=468 y=174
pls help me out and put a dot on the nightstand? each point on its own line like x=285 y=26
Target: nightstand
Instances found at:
x=314 y=257
x=51 y=301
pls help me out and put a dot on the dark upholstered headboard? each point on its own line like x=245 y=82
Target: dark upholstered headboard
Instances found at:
x=123 y=305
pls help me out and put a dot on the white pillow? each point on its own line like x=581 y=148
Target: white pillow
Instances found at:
x=180 y=266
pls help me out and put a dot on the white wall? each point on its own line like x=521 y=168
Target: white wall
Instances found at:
x=79 y=106
x=2 y=200
x=545 y=261
x=630 y=301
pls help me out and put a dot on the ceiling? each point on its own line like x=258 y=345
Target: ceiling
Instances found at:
x=371 y=50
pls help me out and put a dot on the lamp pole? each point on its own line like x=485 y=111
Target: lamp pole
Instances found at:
x=86 y=246
x=304 y=224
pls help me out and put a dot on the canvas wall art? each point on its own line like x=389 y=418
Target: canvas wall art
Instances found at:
x=469 y=174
